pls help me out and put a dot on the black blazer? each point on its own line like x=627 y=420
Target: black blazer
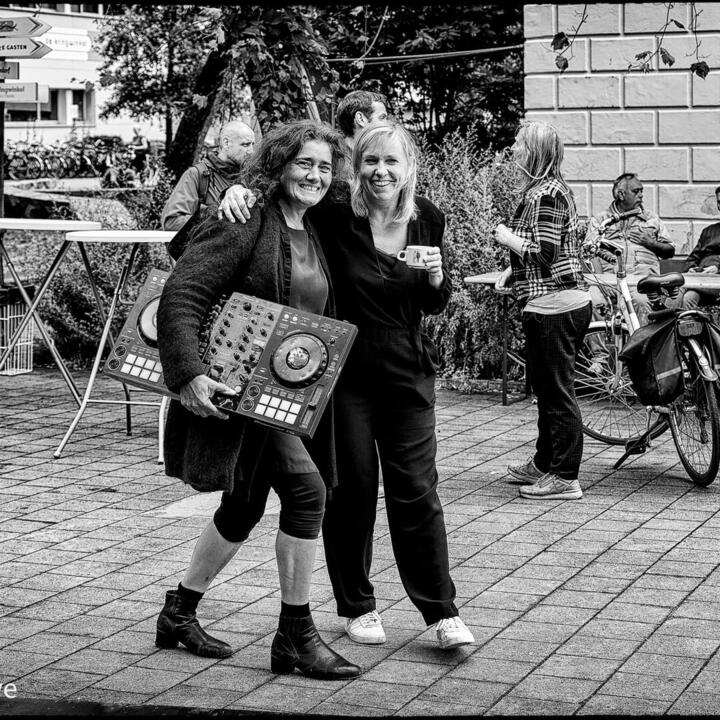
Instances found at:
x=221 y=258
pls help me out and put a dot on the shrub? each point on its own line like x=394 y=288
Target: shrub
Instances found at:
x=69 y=309
x=475 y=190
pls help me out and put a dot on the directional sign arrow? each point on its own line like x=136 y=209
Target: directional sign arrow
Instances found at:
x=24 y=26
x=22 y=47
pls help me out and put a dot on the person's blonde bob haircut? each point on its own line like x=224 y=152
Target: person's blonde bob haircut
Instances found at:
x=372 y=139
x=543 y=153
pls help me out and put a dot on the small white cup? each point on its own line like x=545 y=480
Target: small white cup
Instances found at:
x=414 y=255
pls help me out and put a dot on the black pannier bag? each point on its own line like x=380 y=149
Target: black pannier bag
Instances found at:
x=652 y=358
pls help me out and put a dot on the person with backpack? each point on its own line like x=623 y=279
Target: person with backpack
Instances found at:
x=202 y=184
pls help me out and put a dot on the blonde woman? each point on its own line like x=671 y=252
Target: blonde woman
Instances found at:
x=385 y=399
x=546 y=276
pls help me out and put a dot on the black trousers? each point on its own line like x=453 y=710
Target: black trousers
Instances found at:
x=553 y=342
x=395 y=421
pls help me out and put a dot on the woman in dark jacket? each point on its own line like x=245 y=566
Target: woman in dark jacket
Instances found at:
x=385 y=400
x=275 y=256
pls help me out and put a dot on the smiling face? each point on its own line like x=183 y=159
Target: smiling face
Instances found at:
x=383 y=171
x=307 y=177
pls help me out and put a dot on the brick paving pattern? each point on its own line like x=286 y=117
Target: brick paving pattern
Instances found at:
x=607 y=605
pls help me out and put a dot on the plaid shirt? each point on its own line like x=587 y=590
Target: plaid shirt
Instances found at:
x=547 y=222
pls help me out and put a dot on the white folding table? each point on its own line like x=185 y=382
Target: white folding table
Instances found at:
x=32 y=304
x=133 y=238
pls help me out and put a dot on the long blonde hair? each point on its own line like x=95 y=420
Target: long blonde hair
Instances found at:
x=372 y=136
x=543 y=153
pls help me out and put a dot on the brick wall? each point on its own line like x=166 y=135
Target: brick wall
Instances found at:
x=664 y=124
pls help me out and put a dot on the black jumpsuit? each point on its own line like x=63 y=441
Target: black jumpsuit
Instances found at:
x=385 y=406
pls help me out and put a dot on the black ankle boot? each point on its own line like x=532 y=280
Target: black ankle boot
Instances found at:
x=297 y=644
x=178 y=623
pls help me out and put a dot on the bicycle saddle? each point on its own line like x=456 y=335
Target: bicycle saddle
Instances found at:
x=653 y=283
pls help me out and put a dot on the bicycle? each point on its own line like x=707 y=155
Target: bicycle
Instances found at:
x=611 y=410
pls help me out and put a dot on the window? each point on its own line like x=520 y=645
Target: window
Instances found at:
x=77 y=109
x=28 y=112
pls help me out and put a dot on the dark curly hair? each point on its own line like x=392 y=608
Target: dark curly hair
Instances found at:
x=281 y=145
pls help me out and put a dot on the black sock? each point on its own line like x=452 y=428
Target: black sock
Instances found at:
x=190 y=598
x=294 y=610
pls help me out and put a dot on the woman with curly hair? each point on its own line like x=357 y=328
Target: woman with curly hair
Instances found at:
x=275 y=256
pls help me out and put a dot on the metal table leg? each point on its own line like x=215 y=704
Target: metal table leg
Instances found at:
x=32 y=314
x=101 y=346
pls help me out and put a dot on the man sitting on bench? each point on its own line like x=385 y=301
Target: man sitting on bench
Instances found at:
x=644 y=237
x=704 y=258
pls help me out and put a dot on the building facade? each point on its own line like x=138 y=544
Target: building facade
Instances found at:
x=69 y=72
x=663 y=124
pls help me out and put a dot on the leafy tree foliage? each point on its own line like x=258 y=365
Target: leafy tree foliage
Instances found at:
x=197 y=62
x=434 y=96
x=151 y=57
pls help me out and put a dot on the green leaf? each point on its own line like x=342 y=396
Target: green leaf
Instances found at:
x=700 y=69
x=562 y=63
x=666 y=57
x=560 y=42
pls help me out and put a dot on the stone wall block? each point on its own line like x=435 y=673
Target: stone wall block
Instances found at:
x=706 y=164
x=572 y=126
x=657 y=90
x=586 y=164
x=622 y=127
x=710 y=17
x=582 y=197
x=706 y=92
x=687 y=201
x=600 y=197
x=588 y=92
x=601 y=19
x=650 y=17
x=539 y=92
x=539 y=21
x=680 y=232
x=683 y=48
x=617 y=53
x=658 y=164
x=540 y=58
x=689 y=126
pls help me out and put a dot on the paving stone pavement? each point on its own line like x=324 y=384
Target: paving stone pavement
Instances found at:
x=606 y=605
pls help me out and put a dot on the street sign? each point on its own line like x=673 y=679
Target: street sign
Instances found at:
x=9 y=70
x=23 y=26
x=19 y=92
x=23 y=47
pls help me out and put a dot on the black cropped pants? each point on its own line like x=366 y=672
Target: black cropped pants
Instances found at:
x=302 y=503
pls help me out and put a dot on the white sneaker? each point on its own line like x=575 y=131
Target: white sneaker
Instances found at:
x=452 y=633
x=366 y=629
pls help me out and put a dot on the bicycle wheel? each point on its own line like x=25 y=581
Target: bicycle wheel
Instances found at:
x=611 y=411
x=35 y=167
x=17 y=166
x=695 y=424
